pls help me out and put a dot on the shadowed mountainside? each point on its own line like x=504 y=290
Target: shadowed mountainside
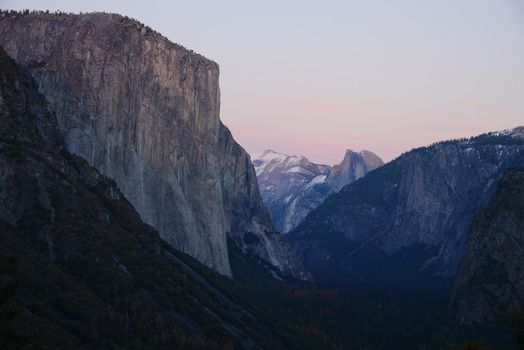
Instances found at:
x=406 y=223
x=145 y=112
x=490 y=279
x=79 y=269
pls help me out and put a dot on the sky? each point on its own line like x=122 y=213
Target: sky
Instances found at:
x=315 y=78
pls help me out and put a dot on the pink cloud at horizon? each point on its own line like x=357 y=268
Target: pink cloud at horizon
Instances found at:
x=322 y=130
x=308 y=78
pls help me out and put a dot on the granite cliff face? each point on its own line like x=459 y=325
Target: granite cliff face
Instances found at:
x=292 y=186
x=145 y=112
x=491 y=275
x=79 y=268
x=410 y=217
x=354 y=166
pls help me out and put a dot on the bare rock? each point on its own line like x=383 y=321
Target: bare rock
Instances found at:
x=292 y=186
x=145 y=112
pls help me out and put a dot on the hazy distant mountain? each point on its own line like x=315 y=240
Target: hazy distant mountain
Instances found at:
x=292 y=186
x=353 y=167
x=409 y=218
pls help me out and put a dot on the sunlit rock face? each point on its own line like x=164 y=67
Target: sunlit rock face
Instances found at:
x=354 y=166
x=145 y=112
x=292 y=186
x=87 y=272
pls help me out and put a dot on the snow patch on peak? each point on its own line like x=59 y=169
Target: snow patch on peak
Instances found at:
x=268 y=154
x=518 y=131
x=507 y=132
x=317 y=180
x=295 y=169
x=269 y=160
x=515 y=132
x=288 y=184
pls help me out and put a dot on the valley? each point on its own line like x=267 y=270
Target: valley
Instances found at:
x=130 y=218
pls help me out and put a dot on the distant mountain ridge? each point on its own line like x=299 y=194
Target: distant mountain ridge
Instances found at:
x=292 y=186
x=407 y=221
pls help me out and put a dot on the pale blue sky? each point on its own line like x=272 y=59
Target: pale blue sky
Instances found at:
x=317 y=77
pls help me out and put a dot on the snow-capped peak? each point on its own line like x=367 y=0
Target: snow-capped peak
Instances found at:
x=268 y=154
x=268 y=160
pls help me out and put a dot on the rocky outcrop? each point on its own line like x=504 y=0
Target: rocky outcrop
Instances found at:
x=79 y=269
x=145 y=112
x=410 y=217
x=491 y=275
x=353 y=167
x=292 y=186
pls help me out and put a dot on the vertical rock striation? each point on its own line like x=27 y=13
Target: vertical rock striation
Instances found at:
x=354 y=166
x=79 y=268
x=145 y=112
